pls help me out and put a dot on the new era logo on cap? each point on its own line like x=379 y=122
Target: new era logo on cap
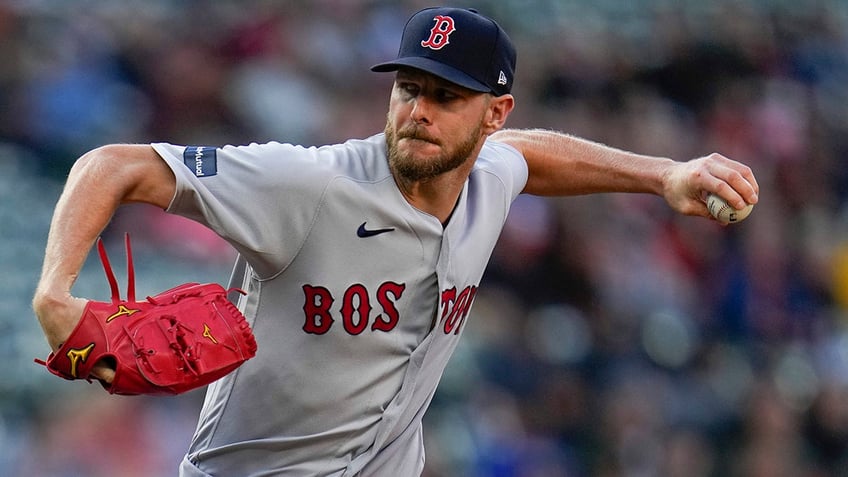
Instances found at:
x=461 y=46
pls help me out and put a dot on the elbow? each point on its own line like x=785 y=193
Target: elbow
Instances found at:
x=131 y=172
x=96 y=161
x=97 y=155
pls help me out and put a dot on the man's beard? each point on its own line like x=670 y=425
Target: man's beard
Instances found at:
x=405 y=166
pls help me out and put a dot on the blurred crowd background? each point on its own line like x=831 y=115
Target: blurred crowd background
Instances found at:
x=611 y=338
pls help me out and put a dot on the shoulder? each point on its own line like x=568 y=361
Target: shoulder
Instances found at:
x=352 y=149
x=494 y=150
x=356 y=157
x=499 y=156
x=504 y=162
x=362 y=159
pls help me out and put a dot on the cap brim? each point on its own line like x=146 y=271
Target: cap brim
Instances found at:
x=433 y=67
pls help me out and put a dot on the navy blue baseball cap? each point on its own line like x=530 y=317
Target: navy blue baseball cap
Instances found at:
x=459 y=45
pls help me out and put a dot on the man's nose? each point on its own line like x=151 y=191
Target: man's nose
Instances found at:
x=421 y=111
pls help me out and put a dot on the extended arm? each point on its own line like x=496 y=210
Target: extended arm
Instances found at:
x=99 y=182
x=560 y=164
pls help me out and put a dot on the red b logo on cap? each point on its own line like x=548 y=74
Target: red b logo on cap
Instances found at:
x=439 y=34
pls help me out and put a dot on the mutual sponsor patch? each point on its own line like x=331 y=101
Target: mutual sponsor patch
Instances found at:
x=202 y=160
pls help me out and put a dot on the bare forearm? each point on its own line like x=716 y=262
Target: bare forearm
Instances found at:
x=560 y=164
x=97 y=185
x=79 y=217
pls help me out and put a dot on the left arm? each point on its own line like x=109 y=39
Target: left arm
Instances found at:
x=561 y=164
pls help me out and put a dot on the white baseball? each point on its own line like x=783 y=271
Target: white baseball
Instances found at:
x=724 y=212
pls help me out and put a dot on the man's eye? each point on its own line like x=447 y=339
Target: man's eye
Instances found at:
x=409 y=88
x=446 y=95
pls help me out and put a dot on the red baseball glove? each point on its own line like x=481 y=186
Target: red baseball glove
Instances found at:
x=176 y=341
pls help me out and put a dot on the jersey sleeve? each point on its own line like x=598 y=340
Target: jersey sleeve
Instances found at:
x=261 y=198
x=509 y=165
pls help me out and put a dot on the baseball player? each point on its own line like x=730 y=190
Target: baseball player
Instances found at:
x=361 y=260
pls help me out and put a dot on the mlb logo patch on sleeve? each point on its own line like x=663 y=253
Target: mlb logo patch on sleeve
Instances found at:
x=202 y=160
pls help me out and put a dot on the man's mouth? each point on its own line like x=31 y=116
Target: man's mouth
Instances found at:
x=417 y=135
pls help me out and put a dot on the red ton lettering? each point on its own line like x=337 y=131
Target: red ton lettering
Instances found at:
x=456 y=307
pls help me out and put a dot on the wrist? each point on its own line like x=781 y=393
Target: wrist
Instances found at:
x=57 y=313
x=49 y=297
x=666 y=181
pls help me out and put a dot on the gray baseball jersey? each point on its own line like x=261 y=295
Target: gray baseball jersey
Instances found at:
x=356 y=298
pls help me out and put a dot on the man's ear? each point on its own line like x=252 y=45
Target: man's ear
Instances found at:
x=499 y=109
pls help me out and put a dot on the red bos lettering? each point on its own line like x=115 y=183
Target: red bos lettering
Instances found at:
x=355 y=310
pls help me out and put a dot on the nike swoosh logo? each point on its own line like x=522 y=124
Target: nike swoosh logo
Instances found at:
x=363 y=232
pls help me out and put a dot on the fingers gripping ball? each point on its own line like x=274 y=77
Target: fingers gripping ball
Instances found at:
x=724 y=212
x=178 y=340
